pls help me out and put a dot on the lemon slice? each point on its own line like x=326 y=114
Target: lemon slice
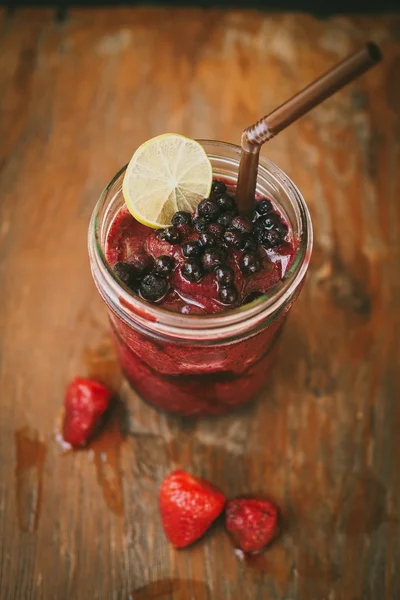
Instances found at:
x=167 y=173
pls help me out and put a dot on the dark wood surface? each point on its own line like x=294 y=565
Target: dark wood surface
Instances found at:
x=77 y=97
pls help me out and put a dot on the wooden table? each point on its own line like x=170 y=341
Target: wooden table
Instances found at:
x=78 y=95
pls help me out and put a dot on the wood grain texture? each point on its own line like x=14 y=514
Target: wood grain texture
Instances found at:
x=77 y=97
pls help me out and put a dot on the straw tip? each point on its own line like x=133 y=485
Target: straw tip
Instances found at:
x=374 y=51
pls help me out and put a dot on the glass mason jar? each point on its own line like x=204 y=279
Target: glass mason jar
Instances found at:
x=210 y=364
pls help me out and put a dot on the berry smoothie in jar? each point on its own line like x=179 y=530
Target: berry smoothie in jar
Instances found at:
x=197 y=294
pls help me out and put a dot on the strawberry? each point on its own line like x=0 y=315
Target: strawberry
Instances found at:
x=85 y=402
x=251 y=522
x=188 y=506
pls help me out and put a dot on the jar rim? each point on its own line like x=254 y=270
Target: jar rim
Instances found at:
x=138 y=312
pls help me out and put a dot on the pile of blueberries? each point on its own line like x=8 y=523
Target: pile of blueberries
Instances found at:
x=219 y=227
x=147 y=277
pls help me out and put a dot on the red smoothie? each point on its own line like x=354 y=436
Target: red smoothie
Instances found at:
x=206 y=263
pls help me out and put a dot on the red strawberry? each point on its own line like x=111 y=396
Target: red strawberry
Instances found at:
x=85 y=402
x=252 y=523
x=188 y=506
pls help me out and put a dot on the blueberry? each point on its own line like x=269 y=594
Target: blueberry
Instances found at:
x=282 y=229
x=249 y=243
x=191 y=249
x=226 y=219
x=207 y=239
x=258 y=230
x=212 y=258
x=233 y=238
x=153 y=287
x=228 y=295
x=201 y=224
x=218 y=188
x=164 y=265
x=225 y=274
x=141 y=262
x=264 y=206
x=226 y=202
x=172 y=235
x=182 y=217
x=249 y=263
x=192 y=270
x=208 y=209
x=217 y=229
x=126 y=273
x=271 y=238
x=242 y=224
x=270 y=221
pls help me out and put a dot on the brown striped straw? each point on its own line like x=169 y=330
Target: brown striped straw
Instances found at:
x=266 y=128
